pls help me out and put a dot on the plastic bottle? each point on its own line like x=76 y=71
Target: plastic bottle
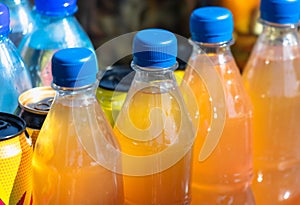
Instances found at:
x=271 y=77
x=224 y=175
x=14 y=78
x=64 y=171
x=153 y=127
x=21 y=21
x=55 y=28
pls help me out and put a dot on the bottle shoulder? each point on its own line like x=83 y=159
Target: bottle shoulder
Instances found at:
x=20 y=16
x=273 y=77
x=69 y=125
x=224 y=64
x=237 y=101
x=9 y=55
x=56 y=33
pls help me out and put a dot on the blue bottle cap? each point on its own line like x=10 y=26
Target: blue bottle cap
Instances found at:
x=280 y=11
x=155 y=48
x=211 y=25
x=56 y=7
x=74 y=67
x=4 y=19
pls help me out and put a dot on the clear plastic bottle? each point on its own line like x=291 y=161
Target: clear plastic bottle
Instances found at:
x=14 y=78
x=271 y=78
x=55 y=28
x=21 y=21
x=64 y=170
x=224 y=175
x=154 y=128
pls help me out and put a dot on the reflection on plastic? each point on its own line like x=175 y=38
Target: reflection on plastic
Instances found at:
x=214 y=87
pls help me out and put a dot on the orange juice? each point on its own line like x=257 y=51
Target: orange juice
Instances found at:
x=273 y=87
x=153 y=128
x=224 y=176
x=70 y=175
x=170 y=186
x=72 y=162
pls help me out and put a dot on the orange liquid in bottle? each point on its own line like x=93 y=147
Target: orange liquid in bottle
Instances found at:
x=69 y=175
x=273 y=86
x=170 y=186
x=224 y=176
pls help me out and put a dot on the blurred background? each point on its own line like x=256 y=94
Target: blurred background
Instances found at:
x=105 y=19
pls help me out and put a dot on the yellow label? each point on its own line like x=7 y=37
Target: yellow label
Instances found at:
x=15 y=171
x=10 y=158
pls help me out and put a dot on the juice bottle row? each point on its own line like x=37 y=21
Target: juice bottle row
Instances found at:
x=212 y=136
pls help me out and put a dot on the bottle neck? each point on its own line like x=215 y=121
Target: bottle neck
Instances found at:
x=161 y=78
x=43 y=18
x=77 y=96
x=279 y=34
x=217 y=52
